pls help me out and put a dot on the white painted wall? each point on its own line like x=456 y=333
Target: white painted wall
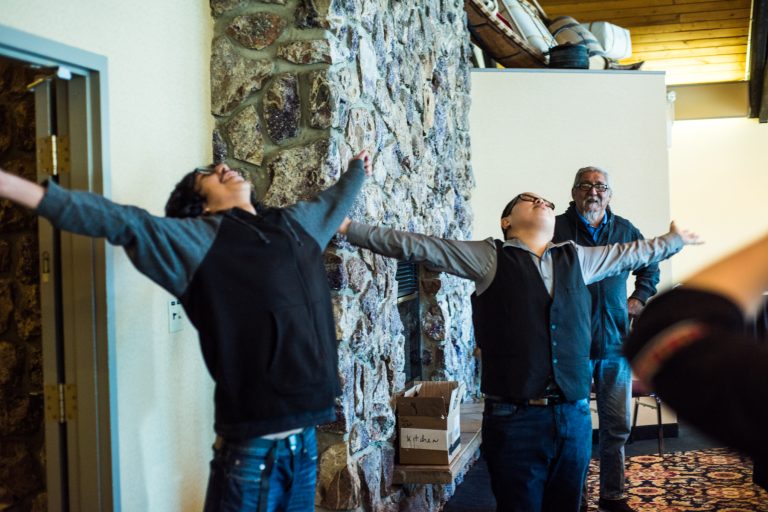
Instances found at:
x=159 y=97
x=532 y=130
x=719 y=185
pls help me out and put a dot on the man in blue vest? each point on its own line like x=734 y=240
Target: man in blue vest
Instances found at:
x=531 y=312
x=589 y=222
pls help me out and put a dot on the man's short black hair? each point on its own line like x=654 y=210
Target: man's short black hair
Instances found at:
x=185 y=201
x=508 y=209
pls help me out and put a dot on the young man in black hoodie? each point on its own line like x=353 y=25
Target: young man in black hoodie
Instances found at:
x=253 y=283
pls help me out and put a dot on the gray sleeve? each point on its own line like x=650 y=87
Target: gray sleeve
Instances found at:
x=603 y=261
x=322 y=215
x=474 y=260
x=166 y=250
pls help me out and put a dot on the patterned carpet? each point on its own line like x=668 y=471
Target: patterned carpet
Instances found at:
x=710 y=480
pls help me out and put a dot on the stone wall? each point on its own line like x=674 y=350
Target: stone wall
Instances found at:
x=22 y=482
x=298 y=87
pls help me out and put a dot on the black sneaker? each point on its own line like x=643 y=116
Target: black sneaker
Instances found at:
x=621 y=505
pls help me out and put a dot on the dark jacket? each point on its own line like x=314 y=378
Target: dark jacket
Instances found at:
x=255 y=288
x=525 y=335
x=610 y=320
x=260 y=301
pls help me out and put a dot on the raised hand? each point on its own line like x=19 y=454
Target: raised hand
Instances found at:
x=344 y=226
x=365 y=156
x=688 y=237
x=20 y=191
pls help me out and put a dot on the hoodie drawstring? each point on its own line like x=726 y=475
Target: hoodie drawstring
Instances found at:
x=293 y=231
x=252 y=227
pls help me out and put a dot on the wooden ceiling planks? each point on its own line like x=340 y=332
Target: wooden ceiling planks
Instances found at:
x=694 y=41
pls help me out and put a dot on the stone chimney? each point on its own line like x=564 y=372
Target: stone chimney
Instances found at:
x=298 y=87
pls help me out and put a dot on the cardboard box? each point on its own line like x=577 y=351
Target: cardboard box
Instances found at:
x=429 y=428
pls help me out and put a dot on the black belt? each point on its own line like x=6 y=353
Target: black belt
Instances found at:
x=538 y=402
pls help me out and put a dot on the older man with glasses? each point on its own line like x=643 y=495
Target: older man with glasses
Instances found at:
x=589 y=222
x=531 y=313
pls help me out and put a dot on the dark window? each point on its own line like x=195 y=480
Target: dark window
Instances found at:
x=408 y=306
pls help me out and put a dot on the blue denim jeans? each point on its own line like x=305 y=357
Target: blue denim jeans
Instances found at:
x=244 y=479
x=537 y=456
x=613 y=386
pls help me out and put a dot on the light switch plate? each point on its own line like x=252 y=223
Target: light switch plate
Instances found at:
x=175 y=316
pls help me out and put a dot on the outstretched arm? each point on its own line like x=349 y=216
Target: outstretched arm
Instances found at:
x=321 y=216
x=474 y=260
x=166 y=250
x=19 y=190
x=600 y=262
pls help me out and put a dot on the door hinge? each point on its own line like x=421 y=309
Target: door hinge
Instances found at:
x=53 y=154
x=60 y=402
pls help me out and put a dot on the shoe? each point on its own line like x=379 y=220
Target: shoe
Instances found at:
x=621 y=505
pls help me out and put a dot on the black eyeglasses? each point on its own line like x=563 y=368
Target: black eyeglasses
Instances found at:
x=528 y=198
x=585 y=186
x=205 y=170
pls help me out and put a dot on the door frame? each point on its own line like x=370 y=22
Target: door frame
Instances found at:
x=87 y=315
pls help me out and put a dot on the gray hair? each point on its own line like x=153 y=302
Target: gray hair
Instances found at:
x=591 y=168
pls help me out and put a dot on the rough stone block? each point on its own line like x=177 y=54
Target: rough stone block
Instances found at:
x=234 y=77
x=27 y=266
x=10 y=368
x=19 y=474
x=15 y=218
x=359 y=274
x=322 y=101
x=433 y=323
x=24 y=120
x=27 y=311
x=368 y=67
x=5 y=256
x=306 y=52
x=282 y=108
x=256 y=31
x=297 y=173
x=6 y=305
x=313 y=14
x=244 y=132
x=361 y=129
x=219 y=7
x=338 y=482
x=219 y=147
x=21 y=415
x=6 y=135
x=35 y=366
x=336 y=271
x=388 y=470
x=369 y=466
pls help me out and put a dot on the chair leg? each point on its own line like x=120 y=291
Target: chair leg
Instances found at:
x=634 y=423
x=661 y=425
